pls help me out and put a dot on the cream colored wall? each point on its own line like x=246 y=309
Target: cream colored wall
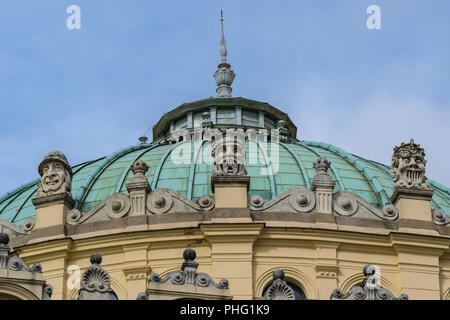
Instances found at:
x=246 y=254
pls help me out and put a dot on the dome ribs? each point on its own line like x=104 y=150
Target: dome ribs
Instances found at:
x=128 y=167
x=362 y=168
x=161 y=164
x=269 y=169
x=192 y=169
x=333 y=169
x=90 y=180
x=22 y=204
x=299 y=163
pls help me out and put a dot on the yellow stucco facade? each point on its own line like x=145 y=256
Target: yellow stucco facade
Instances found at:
x=317 y=256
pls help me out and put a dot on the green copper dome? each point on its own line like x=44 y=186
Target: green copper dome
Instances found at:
x=95 y=180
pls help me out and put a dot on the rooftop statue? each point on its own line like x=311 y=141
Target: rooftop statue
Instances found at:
x=56 y=175
x=408 y=166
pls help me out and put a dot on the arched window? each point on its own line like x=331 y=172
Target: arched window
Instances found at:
x=298 y=292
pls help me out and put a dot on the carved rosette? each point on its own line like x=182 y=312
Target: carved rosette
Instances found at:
x=369 y=289
x=188 y=275
x=408 y=166
x=279 y=289
x=297 y=199
x=95 y=283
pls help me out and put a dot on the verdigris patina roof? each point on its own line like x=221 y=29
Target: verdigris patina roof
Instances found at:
x=95 y=180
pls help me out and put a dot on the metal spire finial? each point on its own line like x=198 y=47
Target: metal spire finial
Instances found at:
x=223 y=42
x=224 y=76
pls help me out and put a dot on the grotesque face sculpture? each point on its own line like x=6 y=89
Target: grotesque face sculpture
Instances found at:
x=56 y=174
x=228 y=155
x=408 y=166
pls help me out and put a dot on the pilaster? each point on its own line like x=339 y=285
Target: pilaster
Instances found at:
x=326 y=268
x=232 y=255
x=138 y=188
x=418 y=261
x=136 y=269
x=53 y=257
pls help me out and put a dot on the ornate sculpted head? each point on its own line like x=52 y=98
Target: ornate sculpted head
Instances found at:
x=228 y=154
x=56 y=174
x=408 y=166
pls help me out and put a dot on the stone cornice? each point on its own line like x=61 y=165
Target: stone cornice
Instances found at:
x=170 y=223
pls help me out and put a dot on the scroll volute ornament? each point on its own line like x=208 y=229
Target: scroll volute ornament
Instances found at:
x=408 y=166
x=56 y=175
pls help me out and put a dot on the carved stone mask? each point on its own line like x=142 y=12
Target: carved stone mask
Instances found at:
x=408 y=166
x=229 y=154
x=56 y=174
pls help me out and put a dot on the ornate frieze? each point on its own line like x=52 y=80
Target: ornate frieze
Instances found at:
x=95 y=283
x=369 y=289
x=408 y=166
x=158 y=201
x=279 y=289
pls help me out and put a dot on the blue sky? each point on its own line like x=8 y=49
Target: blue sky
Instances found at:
x=92 y=91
